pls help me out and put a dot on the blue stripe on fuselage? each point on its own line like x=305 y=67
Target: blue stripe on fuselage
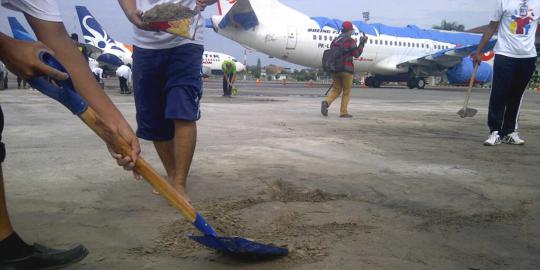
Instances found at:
x=410 y=31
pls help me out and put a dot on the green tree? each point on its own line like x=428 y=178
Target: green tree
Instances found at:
x=450 y=26
x=258 y=69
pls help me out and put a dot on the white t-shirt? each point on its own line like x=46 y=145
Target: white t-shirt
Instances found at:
x=46 y=10
x=162 y=40
x=98 y=71
x=517 y=28
x=124 y=72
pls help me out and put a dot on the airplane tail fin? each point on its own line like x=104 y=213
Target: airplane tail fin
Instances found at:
x=224 y=6
x=92 y=31
x=18 y=30
x=245 y=13
x=95 y=35
x=240 y=14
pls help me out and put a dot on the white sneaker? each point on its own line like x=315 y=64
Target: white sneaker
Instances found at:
x=493 y=139
x=513 y=138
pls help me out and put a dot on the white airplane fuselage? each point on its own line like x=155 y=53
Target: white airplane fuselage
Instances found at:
x=301 y=41
x=272 y=28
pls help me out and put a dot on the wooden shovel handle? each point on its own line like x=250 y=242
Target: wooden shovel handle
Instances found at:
x=469 y=90
x=92 y=120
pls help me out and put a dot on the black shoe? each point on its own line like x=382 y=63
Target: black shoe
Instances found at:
x=346 y=116
x=46 y=258
x=324 y=108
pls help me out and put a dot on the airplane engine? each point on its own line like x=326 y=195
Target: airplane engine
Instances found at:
x=110 y=59
x=461 y=74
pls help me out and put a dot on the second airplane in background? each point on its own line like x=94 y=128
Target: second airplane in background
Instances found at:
x=115 y=53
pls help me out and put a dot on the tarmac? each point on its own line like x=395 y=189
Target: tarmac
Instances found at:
x=405 y=184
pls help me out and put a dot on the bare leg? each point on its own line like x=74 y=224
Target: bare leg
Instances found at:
x=185 y=139
x=165 y=150
x=5 y=225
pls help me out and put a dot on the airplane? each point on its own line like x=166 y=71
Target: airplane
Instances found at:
x=392 y=54
x=117 y=53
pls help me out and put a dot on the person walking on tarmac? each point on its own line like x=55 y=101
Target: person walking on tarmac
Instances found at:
x=515 y=62
x=229 y=77
x=343 y=79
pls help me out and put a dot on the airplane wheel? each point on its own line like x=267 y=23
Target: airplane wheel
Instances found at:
x=368 y=81
x=420 y=83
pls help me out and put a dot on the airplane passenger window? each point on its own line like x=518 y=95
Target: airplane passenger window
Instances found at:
x=400 y=44
x=320 y=37
x=325 y=38
x=314 y=37
x=386 y=42
x=408 y=44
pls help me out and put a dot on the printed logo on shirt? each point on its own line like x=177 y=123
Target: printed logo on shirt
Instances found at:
x=522 y=20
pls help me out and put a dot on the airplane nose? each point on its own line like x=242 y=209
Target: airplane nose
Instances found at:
x=240 y=67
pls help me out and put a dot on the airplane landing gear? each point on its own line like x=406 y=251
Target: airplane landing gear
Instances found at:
x=373 y=82
x=419 y=83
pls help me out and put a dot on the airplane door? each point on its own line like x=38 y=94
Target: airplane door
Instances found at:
x=291 y=38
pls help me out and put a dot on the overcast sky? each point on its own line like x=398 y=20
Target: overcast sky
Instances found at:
x=424 y=13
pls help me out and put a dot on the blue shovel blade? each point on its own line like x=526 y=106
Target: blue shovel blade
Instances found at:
x=233 y=245
x=240 y=246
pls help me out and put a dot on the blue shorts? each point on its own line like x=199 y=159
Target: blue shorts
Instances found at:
x=167 y=86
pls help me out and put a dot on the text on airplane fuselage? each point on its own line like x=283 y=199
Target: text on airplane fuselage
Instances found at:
x=315 y=30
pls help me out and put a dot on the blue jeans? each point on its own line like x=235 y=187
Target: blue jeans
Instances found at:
x=227 y=88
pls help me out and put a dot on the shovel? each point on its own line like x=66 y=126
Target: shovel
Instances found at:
x=65 y=94
x=465 y=111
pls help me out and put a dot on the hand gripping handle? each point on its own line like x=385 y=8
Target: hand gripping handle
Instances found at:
x=63 y=91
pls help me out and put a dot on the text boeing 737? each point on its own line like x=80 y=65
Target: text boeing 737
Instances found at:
x=392 y=53
x=116 y=53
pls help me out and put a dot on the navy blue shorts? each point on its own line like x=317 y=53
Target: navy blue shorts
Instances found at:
x=167 y=86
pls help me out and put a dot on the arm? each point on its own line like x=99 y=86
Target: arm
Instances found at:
x=349 y=45
x=488 y=34
x=21 y=58
x=54 y=35
x=132 y=13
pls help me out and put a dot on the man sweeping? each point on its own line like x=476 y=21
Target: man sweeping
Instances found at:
x=229 y=77
x=515 y=61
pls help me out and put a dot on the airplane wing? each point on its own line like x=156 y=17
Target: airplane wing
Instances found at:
x=444 y=59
